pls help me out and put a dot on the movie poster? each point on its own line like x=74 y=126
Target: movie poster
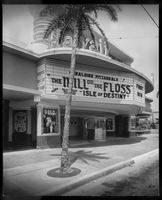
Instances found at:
x=50 y=118
x=20 y=121
x=109 y=124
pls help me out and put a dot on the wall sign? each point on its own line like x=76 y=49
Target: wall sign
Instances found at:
x=139 y=90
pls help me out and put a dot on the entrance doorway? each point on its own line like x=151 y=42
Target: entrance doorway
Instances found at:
x=95 y=128
x=76 y=127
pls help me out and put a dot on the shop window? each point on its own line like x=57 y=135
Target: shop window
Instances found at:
x=140 y=123
x=110 y=124
x=50 y=120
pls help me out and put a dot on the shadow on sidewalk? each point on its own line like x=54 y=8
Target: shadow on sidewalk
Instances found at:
x=111 y=141
x=84 y=156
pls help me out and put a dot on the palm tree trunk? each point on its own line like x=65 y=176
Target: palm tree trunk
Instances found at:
x=65 y=164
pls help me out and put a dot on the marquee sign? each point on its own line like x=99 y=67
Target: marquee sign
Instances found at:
x=88 y=84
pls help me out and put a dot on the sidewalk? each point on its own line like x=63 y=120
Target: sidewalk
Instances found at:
x=25 y=172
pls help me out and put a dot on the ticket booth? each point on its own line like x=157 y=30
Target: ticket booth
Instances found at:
x=95 y=128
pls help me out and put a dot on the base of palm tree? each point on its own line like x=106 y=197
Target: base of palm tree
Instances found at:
x=59 y=174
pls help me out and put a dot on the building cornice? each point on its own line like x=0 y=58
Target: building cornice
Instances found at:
x=90 y=55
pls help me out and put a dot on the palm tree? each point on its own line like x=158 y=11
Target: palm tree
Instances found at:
x=74 y=19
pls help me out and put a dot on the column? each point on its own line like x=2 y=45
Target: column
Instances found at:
x=10 y=124
x=29 y=122
x=39 y=120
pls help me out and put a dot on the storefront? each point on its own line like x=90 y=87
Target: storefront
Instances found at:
x=107 y=92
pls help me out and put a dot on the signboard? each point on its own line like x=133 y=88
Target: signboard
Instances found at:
x=20 y=121
x=86 y=84
x=54 y=80
x=139 y=91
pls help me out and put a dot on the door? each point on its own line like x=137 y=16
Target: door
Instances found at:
x=100 y=129
x=90 y=128
x=74 y=126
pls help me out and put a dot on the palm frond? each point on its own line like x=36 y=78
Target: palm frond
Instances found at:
x=53 y=10
x=77 y=17
x=89 y=28
x=53 y=25
x=102 y=32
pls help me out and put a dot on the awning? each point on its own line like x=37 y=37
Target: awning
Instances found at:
x=144 y=114
x=19 y=93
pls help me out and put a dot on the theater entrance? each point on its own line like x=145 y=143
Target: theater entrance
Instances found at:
x=95 y=128
x=75 y=127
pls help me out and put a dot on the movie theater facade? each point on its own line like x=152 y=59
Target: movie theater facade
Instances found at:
x=107 y=94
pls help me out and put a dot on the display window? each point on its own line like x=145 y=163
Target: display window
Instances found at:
x=140 y=123
x=50 y=120
x=20 y=121
x=110 y=124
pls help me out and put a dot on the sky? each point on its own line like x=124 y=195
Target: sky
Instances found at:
x=135 y=33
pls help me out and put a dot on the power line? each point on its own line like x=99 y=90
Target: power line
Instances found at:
x=135 y=37
x=149 y=15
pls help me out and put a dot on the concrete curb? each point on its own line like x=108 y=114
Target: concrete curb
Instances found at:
x=95 y=175
x=146 y=155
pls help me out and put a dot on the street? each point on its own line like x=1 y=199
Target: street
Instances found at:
x=140 y=179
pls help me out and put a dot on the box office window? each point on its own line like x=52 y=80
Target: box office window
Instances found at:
x=50 y=120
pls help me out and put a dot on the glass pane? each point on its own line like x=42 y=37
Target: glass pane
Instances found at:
x=109 y=124
x=50 y=120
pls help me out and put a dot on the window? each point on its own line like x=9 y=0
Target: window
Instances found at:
x=110 y=124
x=50 y=120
